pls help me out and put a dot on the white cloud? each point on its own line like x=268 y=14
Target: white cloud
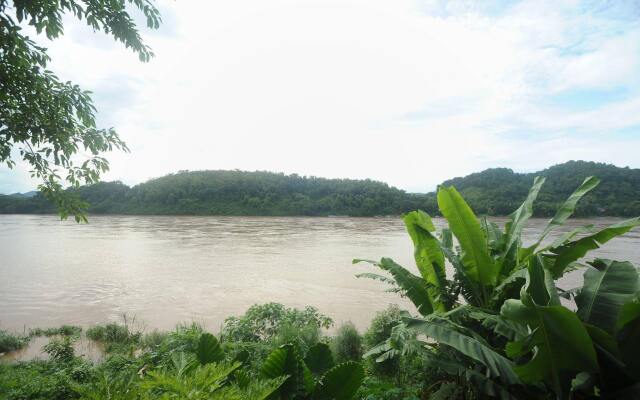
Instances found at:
x=411 y=93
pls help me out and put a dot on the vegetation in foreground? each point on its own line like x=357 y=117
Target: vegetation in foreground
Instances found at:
x=497 y=328
x=270 y=352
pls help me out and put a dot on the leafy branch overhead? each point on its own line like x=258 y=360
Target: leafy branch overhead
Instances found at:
x=50 y=124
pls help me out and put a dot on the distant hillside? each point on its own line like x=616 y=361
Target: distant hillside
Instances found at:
x=499 y=191
x=236 y=193
x=496 y=191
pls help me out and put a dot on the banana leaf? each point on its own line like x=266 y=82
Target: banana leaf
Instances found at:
x=477 y=262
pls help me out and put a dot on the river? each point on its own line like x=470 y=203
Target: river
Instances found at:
x=164 y=269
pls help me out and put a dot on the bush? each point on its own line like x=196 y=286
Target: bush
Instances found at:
x=36 y=380
x=60 y=350
x=266 y=321
x=302 y=336
x=10 y=342
x=347 y=344
x=379 y=331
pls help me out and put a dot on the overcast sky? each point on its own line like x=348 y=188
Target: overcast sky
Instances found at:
x=406 y=92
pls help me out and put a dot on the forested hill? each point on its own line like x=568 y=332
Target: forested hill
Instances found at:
x=236 y=193
x=496 y=191
x=499 y=191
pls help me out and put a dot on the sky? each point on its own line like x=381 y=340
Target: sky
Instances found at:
x=409 y=92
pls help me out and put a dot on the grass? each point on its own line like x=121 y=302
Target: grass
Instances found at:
x=10 y=341
x=64 y=330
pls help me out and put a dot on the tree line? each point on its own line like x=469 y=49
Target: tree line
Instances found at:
x=495 y=191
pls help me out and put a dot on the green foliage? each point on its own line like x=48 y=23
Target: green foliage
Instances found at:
x=209 y=350
x=510 y=296
x=379 y=388
x=340 y=382
x=209 y=381
x=492 y=192
x=10 y=342
x=347 y=343
x=319 y=358
x=236 y=193
x=266 y=322
x=115 y=336
x=60 y=350
x=379 y=331
x=64 y=330
x=499 y=191
x=608 y=286
x=48 y=122
x=37 y=380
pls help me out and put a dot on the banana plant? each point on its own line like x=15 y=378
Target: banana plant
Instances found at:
x=590 y=353
x=490 y=266
x=314 y=377
x=489 y=263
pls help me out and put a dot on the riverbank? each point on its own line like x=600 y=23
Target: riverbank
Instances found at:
x=118 y=358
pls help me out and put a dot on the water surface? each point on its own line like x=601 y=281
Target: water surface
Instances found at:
x=164 y=270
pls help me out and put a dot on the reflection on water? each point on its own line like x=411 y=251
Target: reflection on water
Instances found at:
x=164 y=270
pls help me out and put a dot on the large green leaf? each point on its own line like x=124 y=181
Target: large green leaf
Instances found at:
x=566 y=254
x=516 y=223
x=414 y=287
x=341 y=382
x=540 y=284
x=608 y=285
x=427 y=253
x=628 y=334
x=559 y=344
x=446 y=333
x=285 y=361
x=209 y=350
x=319 y=358
x=465 y=226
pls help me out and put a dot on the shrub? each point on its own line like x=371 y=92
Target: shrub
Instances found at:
x=347 y=344
x=266 y=321
x=60 y=350
x=10 y=342
x=154 y=339
x=303 y=337
x=379 y=331
x=35 y=380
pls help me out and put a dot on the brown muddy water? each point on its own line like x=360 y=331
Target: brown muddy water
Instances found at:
x=164 y=270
